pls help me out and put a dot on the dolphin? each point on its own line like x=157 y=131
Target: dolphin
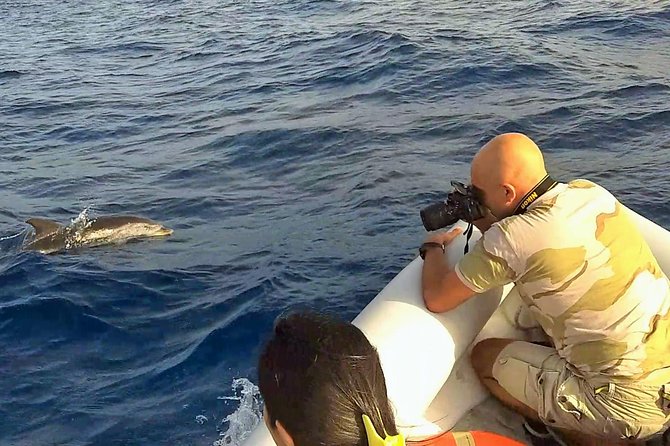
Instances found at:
x=51 y=237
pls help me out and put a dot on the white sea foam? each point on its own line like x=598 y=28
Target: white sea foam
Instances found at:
x=245 y=418
x=76 y=229
x=9 y=237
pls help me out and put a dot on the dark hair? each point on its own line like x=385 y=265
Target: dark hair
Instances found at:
x=318 y=376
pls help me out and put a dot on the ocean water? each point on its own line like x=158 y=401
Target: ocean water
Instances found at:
x=290 y=145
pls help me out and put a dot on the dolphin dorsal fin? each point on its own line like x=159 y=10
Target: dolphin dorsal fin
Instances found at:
x=43 y=226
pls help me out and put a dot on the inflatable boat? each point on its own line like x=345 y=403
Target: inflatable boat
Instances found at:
x=425 y=356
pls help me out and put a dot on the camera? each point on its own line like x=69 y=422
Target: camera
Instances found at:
x=461 y=204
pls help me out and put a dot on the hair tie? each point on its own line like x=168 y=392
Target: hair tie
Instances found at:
x=375 y=440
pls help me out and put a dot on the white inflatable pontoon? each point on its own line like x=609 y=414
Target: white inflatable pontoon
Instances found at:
x=425 y=356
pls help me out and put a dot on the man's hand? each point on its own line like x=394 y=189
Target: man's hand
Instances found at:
x=444 y=238
x=484 y=223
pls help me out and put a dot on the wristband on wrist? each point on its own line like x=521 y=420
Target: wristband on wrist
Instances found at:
x=427 y=245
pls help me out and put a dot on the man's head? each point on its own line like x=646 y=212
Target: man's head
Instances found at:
x=504 y=170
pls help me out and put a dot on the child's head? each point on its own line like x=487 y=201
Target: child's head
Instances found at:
x=318 y=376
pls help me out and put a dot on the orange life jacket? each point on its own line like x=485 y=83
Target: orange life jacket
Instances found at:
x=473 y=438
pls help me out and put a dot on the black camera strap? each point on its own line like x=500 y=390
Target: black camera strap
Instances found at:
x=468 y=234
x=535 y=193
x=540 y=189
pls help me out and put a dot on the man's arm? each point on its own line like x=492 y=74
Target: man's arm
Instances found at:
x=484 y=223
x=442 y=289
x=486 y=266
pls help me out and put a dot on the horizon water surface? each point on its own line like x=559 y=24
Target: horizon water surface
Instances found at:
x=290 y=145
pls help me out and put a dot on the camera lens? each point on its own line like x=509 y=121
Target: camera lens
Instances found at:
x=438 y=215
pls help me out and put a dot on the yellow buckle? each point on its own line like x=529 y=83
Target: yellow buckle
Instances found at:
x=375 y=440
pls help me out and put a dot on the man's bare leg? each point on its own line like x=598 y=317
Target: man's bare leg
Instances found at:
x=483 y=357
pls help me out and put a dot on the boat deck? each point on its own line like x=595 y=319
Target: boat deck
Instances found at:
x=492 y=416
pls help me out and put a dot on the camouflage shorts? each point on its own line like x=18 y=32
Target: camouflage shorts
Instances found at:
x=538 y=377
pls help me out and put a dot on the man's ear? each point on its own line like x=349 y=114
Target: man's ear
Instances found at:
x=283 y=434
x=510 y=194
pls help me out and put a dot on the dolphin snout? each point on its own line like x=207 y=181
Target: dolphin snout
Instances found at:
x=165 y=231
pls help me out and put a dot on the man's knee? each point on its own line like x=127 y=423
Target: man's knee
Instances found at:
x=485 y=353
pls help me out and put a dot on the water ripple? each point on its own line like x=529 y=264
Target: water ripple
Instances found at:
x=290 y=144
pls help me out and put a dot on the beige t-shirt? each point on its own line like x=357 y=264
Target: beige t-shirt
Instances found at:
x=588 y=276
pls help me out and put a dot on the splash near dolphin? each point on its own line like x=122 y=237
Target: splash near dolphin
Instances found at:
x=52 y=237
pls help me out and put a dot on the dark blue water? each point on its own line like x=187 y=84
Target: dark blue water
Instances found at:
x=290 y=145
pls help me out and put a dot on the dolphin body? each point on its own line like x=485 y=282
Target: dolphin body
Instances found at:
x=51 y=237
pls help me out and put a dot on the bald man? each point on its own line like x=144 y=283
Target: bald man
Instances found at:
x=591 y=282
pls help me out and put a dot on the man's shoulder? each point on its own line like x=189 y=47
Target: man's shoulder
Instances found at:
x=573 y=195
x=510 y=226
x=557 y=208
x=582 y=183
x=587 y=186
